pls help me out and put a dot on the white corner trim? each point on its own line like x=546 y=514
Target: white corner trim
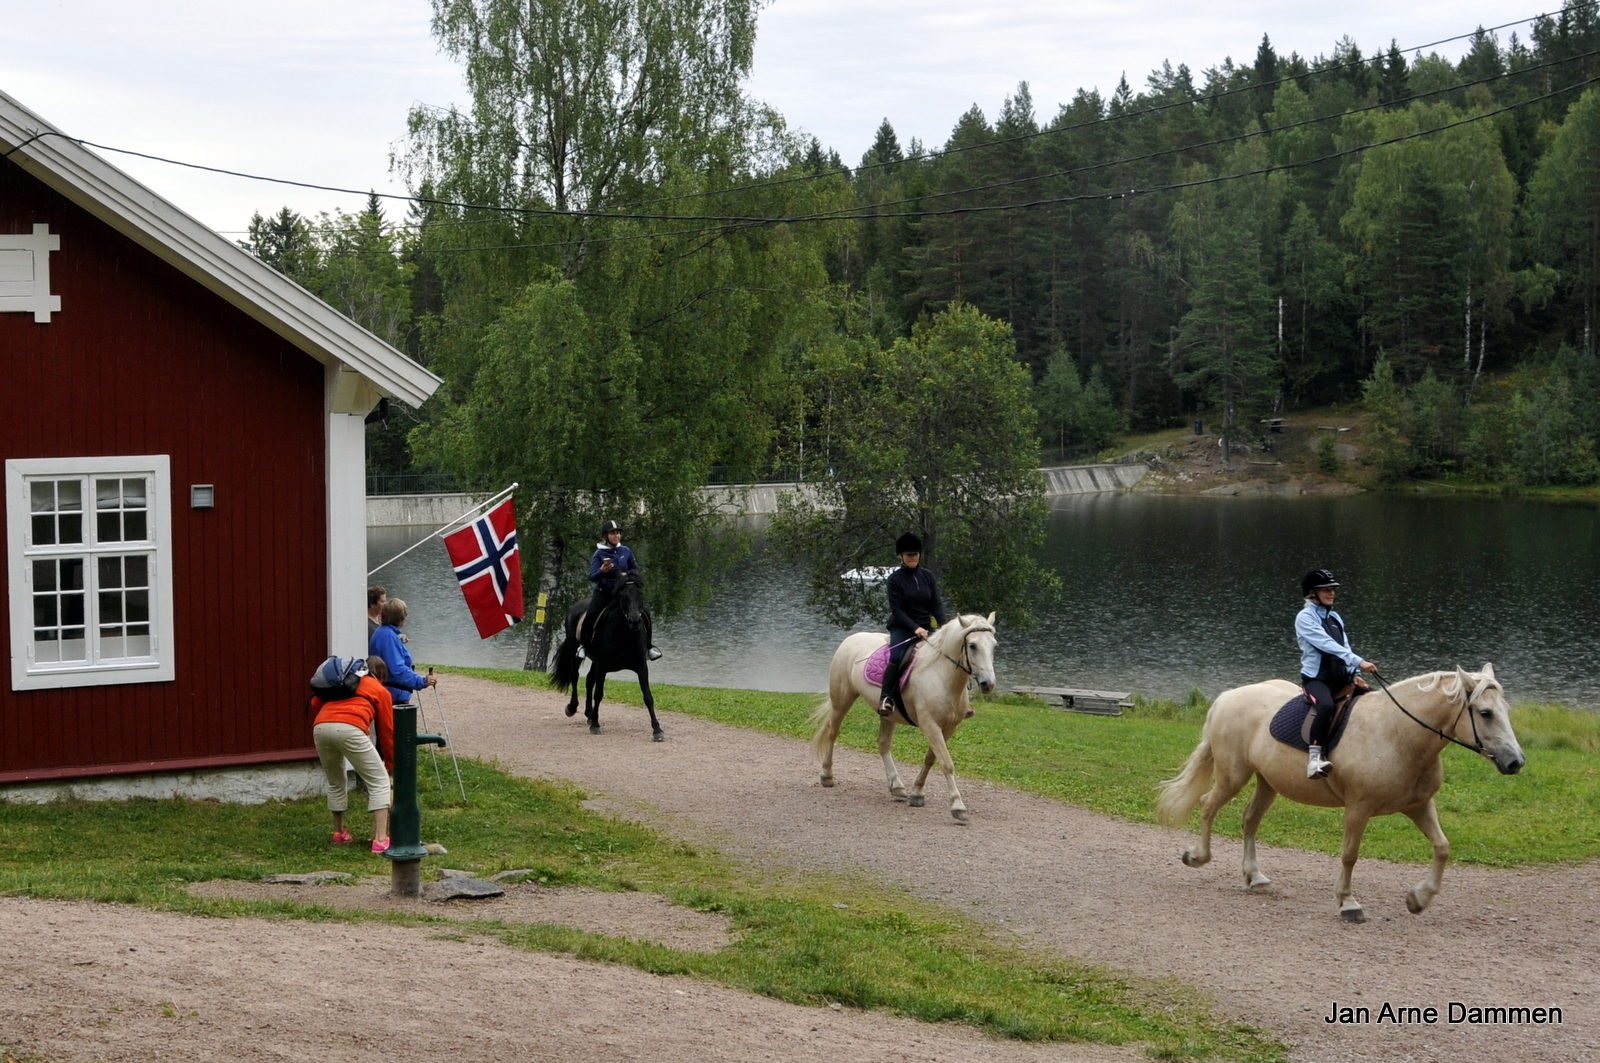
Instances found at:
x=212 y=260
x=346 y=486
x=25 y=273
x=160 y=666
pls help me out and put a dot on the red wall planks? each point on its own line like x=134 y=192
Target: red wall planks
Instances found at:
x=142 y=360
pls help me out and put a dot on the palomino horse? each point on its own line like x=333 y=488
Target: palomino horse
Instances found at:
x=620 y=643
x=935 y=699
x=1387 y=762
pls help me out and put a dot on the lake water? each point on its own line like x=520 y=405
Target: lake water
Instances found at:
x=1163 y=593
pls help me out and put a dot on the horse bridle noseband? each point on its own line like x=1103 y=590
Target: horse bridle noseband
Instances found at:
x=966 y=650
x=1466 y=707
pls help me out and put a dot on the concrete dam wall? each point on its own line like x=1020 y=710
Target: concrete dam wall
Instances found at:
x=751 y=500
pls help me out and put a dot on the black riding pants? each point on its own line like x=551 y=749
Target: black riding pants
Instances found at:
x=901 y=642
x=1321 y=699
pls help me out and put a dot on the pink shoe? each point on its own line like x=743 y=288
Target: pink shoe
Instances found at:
x=343 y=837
x=380 y=845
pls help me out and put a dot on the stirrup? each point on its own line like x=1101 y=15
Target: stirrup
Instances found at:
x=581 y=653
x=886 y=707
x=652 y=654
x=1316 y=767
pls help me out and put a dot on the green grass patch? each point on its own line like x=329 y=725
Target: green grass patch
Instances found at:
x=803 y=938
x=1113 y=764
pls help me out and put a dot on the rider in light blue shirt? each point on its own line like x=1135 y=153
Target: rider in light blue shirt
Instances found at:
x=1327 y=663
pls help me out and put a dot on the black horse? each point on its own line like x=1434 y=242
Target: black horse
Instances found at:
x=619 y=642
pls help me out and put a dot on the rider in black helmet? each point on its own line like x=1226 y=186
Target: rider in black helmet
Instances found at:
x=1327 y=663
x=914 y=607
x=611 y=559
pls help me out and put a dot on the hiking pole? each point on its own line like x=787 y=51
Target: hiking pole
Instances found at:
x=444 y=728
x=422 y=714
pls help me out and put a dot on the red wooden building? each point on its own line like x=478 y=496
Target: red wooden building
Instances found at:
x=184 y=446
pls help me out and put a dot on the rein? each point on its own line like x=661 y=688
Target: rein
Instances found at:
x=1466 y=706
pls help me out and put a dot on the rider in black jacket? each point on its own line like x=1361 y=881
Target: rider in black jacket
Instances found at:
x=914 y=608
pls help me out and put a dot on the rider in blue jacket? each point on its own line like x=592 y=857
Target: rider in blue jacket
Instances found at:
x=611 y=560
x=1327 y=663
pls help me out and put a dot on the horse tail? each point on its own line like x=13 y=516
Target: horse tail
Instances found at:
x=565 y=675
x=819 y=717
x=1179 y=796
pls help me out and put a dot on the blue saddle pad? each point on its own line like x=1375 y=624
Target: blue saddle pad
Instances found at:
x=1292 y=727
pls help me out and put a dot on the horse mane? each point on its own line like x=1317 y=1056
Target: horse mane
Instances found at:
x=1452 y=685
x=967 y=623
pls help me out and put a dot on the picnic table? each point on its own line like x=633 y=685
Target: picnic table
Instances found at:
x=1091 y=702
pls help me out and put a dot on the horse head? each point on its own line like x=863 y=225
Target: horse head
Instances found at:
x=976 y=649
x=630 y=596
x=1486 y=719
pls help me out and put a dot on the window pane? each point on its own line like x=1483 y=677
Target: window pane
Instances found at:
x=72 y=610
x=69 y=496
x=44 y=610
x=73 y=647
x=108 y=527
x=137 y=570
x=107 y=494
x=138 y=603
x=70 y=527
x=133 y=494
x=72 y=573
x=42 y=496
x=44 y=576
x=111 y=644
x=110 y=573
x=133 y=526
x=44 y=529
x=137 y=645
x=110 y=610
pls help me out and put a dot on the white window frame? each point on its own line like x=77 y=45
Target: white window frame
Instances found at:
x=31 y=296
x=159 y=666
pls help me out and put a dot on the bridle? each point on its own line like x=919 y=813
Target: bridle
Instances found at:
x=1466 y=707
x=966 y=650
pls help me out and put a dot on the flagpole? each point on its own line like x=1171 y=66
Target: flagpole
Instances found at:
x=443 y=528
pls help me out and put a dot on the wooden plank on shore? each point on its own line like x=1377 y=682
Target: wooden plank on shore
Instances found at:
x=1090 y=702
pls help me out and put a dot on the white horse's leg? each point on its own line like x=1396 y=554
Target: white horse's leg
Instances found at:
x=1229 y=781
x=1260 y=801
x=917 y=797
x=938 y=749
x=891 y=771
x=1427 y=820
x=827 y=735
x=1355 y=825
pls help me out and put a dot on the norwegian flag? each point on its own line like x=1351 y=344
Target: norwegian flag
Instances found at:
x=484 y=554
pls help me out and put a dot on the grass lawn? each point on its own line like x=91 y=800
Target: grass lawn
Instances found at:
x=1112 y=765
x=807 y=939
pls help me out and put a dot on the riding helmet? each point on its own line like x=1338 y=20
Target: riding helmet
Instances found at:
x=909 y=543
x=1315 y=580
x=608 y=527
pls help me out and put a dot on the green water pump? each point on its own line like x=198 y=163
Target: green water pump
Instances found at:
x=405 y=817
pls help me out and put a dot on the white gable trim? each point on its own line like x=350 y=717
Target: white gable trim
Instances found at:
x=209 y=258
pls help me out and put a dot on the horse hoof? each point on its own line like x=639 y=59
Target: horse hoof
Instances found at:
x=1190 y=860
x=828 y=780
x=961 y=816
x=897 y=792
x=1413 y=905
x=1259 y=884
x=917 y=801
x=1353 y=915
x=572 y=710
x=594 y=728
x=658 y=737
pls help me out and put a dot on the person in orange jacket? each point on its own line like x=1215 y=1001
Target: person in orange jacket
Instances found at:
x=341 y=733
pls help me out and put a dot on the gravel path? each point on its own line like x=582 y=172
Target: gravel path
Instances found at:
x=104 y=982
x=1100 y=888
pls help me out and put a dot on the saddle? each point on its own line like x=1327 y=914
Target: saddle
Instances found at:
x=1292 y=723
x=877 y=663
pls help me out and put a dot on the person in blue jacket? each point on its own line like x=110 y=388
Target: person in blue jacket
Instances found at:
x=1327 y=663
x=611 y=560
x=386 y=642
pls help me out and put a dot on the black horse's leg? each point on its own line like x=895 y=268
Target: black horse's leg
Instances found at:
x=591 y=703
x=599 y=694
x=650 y=703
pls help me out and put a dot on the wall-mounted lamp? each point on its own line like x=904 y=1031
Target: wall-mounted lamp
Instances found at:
x=202 y=496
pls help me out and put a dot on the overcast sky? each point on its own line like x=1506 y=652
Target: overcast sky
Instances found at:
x=319 y=91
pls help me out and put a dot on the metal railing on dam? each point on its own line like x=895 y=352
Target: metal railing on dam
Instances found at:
x=753 y=500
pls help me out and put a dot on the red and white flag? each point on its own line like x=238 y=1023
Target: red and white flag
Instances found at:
x=485 y=557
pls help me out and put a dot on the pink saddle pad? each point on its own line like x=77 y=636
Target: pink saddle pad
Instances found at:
x=878 y=663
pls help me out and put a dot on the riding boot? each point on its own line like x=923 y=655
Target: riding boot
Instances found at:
x=891 y=689
x=652 y=654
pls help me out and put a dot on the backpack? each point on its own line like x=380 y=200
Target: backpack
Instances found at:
x=337 y=678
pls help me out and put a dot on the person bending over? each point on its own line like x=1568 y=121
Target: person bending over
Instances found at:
x=1327 y=663
x=340 y=733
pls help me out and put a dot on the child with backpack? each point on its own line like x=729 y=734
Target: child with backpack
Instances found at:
x=349 y=697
